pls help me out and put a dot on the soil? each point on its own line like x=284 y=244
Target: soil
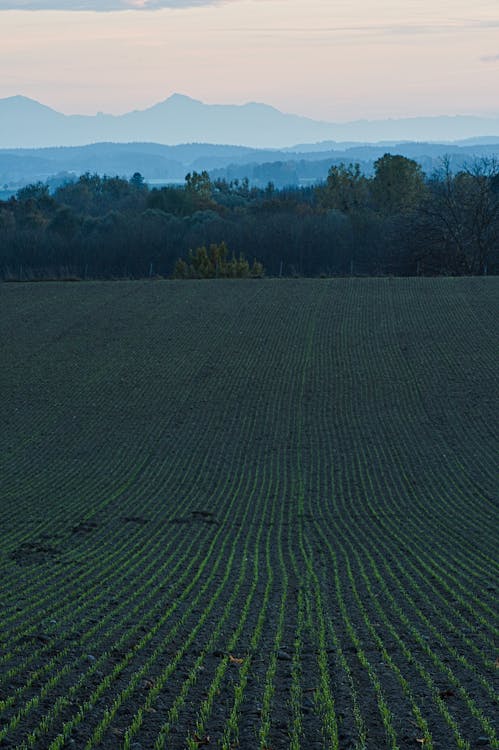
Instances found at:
x=233 y=507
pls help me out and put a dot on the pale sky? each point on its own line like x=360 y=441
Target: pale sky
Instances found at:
x=335 y=60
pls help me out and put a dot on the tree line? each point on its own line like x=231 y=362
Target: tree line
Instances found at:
x=397 y=221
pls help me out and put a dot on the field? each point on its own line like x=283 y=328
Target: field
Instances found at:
x=249 y=514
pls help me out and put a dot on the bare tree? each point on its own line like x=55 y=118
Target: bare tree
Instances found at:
x=460 y=220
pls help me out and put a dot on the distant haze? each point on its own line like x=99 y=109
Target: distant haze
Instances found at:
x=330 y=60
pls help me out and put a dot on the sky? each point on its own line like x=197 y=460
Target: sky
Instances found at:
x=334 y=60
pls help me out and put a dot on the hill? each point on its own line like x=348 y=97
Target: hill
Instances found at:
x=256 y=513
x=161 y=164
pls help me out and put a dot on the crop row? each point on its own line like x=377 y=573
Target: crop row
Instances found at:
x=249 y=514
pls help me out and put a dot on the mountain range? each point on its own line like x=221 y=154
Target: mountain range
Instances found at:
x=25 y=123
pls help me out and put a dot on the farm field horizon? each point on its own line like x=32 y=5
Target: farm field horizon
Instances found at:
x=249 y=514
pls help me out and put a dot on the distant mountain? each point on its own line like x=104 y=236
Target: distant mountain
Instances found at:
x=25 y=123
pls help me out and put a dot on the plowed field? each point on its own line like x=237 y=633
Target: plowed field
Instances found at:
x=249 y=514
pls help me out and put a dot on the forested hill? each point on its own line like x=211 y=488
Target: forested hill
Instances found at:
x=300 y=165
x=395 y=221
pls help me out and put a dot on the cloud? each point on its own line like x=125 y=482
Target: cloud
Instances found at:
x=490 y=58
x=102 y=5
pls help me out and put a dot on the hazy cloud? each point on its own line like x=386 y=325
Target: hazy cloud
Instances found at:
x=102 y=5
x=377 y=29
x=490 y=58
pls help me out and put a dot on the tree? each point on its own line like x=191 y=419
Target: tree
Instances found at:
x=65 y=223
x=460 y=219
x=398 y=185
x=137 y=181
x=213 y=262
x=7 y=221
x=37 y=191
x=346 y=189
x=482 y=206
x=199 y=192
x=198 y=184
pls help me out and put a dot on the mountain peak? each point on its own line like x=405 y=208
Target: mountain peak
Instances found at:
x=175 y=102
x=181 y=99
x=177 y=96
x=23 y=103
